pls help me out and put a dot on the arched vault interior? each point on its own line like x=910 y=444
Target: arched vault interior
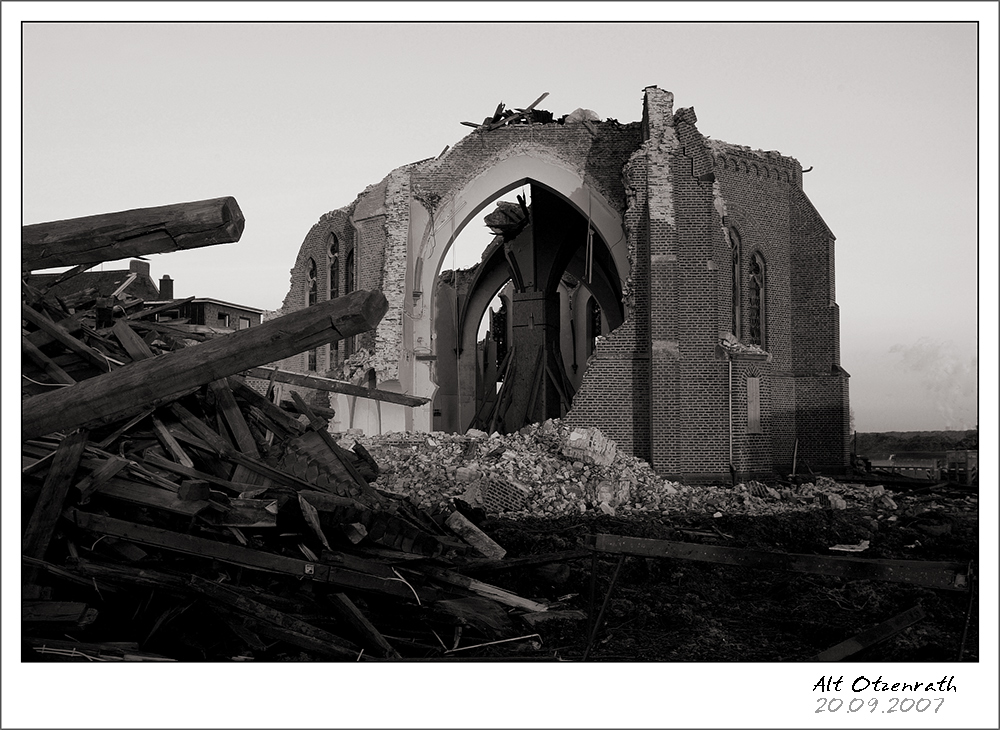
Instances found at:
x=551 y=263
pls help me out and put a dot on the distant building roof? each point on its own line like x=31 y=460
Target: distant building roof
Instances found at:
x=210 y=300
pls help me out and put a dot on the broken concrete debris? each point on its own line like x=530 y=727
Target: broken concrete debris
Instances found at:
x=552 y=470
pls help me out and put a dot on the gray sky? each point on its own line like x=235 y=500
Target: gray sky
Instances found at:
x=294 y=120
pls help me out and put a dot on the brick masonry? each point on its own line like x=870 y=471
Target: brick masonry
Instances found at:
x=658 y=384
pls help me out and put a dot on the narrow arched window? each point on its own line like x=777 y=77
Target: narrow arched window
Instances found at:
x=736 y=255
x=349 y=272
x=757 y=302
x=333 y=254
x=311 y=284
x=593 y=323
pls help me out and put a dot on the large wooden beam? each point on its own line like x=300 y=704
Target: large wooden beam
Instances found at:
x=248 y=558
x=335 y=386
x=151 y=382
x=930 y=574
x=113 y=236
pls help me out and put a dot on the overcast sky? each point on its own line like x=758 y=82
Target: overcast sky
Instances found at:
x=294 y=120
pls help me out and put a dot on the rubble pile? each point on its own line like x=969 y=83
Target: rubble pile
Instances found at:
x=552 y=470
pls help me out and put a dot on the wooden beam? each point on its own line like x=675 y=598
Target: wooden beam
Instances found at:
x=155 y=497
x=373 y=639
x=157 y=380
x=51 y=369
x=329 y=385
x=92 y=482
x=170 y=443
x=173 y=304
x=947 y=576
x=483 y=589
x=226 y=403
x=483 y=543
x=43 y=520
x=113 y=236
x=269 y=409
x=246 y=557
x=488 y=564
x=161 y=463
x=134 y=345
x=64 y=338
x=873 y=635
x=298 y=632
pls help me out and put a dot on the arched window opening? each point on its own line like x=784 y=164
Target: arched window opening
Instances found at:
x=311 y=284
x=594 y=329
x=349 y=272
x=333 y=254
x=736 y=254
x=757 y=304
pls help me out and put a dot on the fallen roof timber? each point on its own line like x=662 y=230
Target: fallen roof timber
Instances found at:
x=875 y=634
x=245 y=557
x=113 y=236
x=156 y=380
x=947 y=576
x=329 y=385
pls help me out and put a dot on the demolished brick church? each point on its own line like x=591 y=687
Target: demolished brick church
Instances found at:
x=676 y=292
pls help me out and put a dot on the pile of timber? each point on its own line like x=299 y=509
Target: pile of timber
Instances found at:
x=172 y=511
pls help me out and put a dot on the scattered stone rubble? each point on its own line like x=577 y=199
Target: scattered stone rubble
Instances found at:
x=551 y=470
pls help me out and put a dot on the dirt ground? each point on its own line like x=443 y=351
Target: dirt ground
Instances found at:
x=673 y=610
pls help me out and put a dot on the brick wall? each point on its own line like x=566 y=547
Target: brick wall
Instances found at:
x=656 y=384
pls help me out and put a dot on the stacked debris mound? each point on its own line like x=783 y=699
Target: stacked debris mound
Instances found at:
x=552 y=470
x=171 y=510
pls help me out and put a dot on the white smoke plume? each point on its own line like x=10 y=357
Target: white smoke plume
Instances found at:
x=950 y=380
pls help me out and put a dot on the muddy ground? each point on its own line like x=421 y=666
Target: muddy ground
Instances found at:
x=672 y=610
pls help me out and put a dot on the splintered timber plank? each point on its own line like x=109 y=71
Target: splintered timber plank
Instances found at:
x=134 y=345
x=170 y=443
x=44 y=361
x=92 y=482
x=483 y=543
x=489 y=564
x=160 y=463
x=371 y=636
x=255 y=465
x=64 y=338
x=483 y=589
x=43 y=520
x=317 y=382
x=157 y=380
x=245 y=557
x=173 y=304
x=200 y=429
x=873 y=635
x=57 y=612
x=269 y=409
x=930 y=574
x=113 y=236
x=148 y=496
x=241 y=432
x=296 y=631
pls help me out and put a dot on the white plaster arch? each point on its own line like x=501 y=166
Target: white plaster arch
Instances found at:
x=431 y=238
